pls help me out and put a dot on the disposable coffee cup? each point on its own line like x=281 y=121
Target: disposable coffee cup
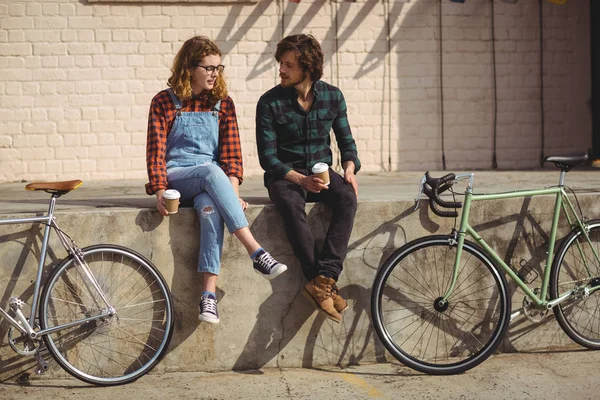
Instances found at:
x=171 y=197
x=321 y=170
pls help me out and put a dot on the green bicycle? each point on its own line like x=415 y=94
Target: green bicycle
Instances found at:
x=451 y=316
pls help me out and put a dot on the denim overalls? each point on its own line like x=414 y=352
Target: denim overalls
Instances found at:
x=193 y=169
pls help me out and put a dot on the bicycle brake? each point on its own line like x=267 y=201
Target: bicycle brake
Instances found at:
x=421 y=186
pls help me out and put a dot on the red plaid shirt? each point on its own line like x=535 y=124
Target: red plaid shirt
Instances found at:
x=160 y=121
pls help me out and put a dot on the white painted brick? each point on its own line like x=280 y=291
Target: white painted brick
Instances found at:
x=72 y=127
x=84 y=48
x=104 y=138
x=85 y=35
x=153 y=36
x=16 y=10
x=120 y=35
x=50 y=23
x=71 y=166
x=49 y=49
x=154 y=22
x=83 y=74
x=37 y=153
x=115 y=22
x=15 y=49
x=84 y=22
x=86 y=100
x=16 y=36
x=50 y=9
x=68 y=36
x=15 y=75
x=17 y=23
x=121 y=48
x=102 y=35
x=136 y=36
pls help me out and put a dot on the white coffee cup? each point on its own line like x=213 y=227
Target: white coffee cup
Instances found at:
x=171 y=197
x=321 y=170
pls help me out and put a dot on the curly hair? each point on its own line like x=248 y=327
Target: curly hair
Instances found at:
x=193 y=51
x=308 y=51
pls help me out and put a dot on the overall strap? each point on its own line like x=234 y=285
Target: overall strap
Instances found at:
x=175 y=99
x=217 y=106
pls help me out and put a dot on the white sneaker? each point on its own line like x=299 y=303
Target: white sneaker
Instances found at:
x=208 y=309
x=267 y=266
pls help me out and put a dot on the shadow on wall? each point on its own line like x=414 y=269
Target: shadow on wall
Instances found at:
x=523 y=237
x=327 y=343
x=228 y=38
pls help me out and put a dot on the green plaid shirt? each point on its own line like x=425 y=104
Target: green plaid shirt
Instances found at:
x=289 y=137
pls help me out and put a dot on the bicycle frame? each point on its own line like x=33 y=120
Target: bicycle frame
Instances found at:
x=21 y=323
x=562 y=202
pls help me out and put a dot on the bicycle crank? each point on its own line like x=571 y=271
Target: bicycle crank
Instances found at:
x=22 y=344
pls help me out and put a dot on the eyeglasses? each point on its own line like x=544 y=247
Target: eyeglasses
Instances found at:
x=211 y=68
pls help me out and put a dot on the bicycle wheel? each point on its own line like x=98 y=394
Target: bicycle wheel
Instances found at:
x=116 y=349
x=575 y=267
x=412 y=325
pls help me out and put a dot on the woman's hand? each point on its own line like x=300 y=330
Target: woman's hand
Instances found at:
x=243 y=203
x=160 y=202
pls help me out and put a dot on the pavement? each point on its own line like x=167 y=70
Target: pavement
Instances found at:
x=381 y=186
x=569 y=375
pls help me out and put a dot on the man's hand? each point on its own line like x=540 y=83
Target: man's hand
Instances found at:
x=349 y=176
x=313 y=184
x=160 y=202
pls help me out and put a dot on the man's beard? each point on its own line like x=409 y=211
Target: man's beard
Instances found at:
x=291 y=83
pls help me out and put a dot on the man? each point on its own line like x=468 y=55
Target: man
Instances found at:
x=293 y=124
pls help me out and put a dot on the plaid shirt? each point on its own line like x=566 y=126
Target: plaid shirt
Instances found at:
x=160 y=121
x=289 y=137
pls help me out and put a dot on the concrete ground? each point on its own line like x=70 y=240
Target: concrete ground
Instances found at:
x=570 y=375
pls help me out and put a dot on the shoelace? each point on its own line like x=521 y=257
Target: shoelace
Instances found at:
x=209 y=305
x=266 y=261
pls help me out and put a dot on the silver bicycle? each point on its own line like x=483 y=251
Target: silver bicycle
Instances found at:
x=105 y=311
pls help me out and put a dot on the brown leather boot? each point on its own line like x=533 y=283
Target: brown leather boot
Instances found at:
x=319 y=291
x=338 y=301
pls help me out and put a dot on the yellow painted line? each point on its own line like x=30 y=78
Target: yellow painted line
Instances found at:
x=356 y=381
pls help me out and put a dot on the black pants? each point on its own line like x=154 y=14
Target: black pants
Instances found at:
x=290 y=199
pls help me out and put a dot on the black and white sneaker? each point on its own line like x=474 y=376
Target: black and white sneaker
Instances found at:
x=208 y=309
x=267 y=266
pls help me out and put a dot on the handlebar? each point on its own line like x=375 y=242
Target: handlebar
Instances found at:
x=433 y=187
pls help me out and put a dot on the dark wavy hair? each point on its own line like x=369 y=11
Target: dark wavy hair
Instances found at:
x=186 y=61
x=308 y=51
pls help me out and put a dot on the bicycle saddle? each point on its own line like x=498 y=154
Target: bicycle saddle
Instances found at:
x=567 y=162
x=55 y=187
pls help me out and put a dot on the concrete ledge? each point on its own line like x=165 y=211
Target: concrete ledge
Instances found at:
x=268 y=324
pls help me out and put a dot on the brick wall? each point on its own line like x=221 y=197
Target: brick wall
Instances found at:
x=76 y=79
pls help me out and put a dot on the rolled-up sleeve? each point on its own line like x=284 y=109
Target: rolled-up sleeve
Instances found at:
x=230 y=148
x=266 y=141
x=343 y=135
x=156 y=143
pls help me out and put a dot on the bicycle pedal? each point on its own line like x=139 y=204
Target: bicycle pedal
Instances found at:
x=23 y=379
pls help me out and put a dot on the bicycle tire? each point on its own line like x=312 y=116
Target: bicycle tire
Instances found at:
x=408 y=319
x=578 y=317
x=117 y=349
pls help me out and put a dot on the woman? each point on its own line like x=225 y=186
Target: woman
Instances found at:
x=193 y=146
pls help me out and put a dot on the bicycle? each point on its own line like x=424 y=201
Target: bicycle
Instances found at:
x=105 y=312
x=451 y=316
